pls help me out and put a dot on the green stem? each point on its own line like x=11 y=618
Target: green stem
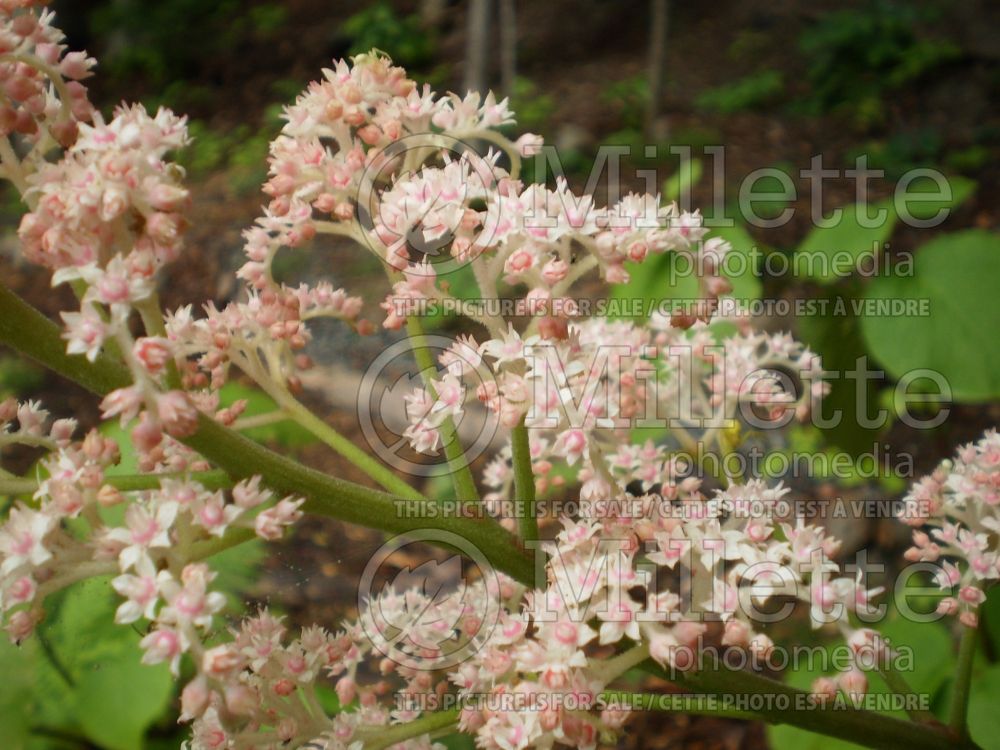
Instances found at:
x=430 y=724
x=333 y=439
x=461 y=474
x=524 y=483
x=963 y=678
x=695 y=705
x=898 y=684
x=867 y=728
x=29 y=332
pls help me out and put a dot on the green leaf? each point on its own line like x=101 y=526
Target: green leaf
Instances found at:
x=834 y=332
x=984 y=719
x=829 y=253
x=923 y=210
x=118 y=699
x=18 y=683
x=932 y=658
x=114 y=698
x=682 y=180
x=458 y=741
x=956 y=275
x=664 y=277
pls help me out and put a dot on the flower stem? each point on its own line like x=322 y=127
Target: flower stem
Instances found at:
x=898 y=684
x=333 y=439
x=788 y=705
x=430 y=724
x=963 y=678
x=29 y=332
x=524 y=483
x=461 y=474
x=696 y=705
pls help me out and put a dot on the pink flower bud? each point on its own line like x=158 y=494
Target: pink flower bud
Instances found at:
x=177 y=413
x=853 y=683
x=824 y=689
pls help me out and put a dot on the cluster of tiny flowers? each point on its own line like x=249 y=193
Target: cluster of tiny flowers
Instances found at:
x=154 y=550
x=43 y=101
x=579 y=395
x=259 y=691
x=959 y=504
x=528 y=236
x=106 y=217
x=369 y=156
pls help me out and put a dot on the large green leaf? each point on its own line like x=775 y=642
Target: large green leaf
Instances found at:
x=663 y=277
x=932 y=656
x=984 y=719
x=834 y=332
x=114 y=698
x=955 y=276
x=830 y=253
x=925 y=209
x=80 y=675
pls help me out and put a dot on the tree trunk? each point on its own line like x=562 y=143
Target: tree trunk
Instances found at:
x=657 y=62
x=508 y=45
x=477 y=45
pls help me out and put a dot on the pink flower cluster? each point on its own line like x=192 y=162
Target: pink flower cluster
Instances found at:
x=580 y=395
x=155 y=549
x=43 y=101
x=959 y=505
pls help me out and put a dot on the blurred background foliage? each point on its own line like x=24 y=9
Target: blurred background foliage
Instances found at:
x=907 y=84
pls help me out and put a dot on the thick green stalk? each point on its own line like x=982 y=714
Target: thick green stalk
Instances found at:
x=29 y=332
x=432 y=723
x=461 y=474
x=963 y=678
x=868 y=728
x=524 y=483
x=673 y=702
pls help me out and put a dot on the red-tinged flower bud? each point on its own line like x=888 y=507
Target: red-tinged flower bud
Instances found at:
x=241 y=700
x=761 y=646
x=824 y=689
x=8 y=410
x=24 y=24
x=346 y=690
x=178 y=414
x=853 y=683
x=717 y=285
x=344 y=211
x=194 y=698
x=109 y=496
x=553 y=328
x=283 y=687
x=737 y=633
x=147 y=434
x=969 y=619
x=22 y=623
x=555 y=271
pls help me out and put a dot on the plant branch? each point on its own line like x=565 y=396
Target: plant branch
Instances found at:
x=461 y=474
x=29 y=332
x=333 y=439
x=958 y=715
x=524 y=483
x=868 y=728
